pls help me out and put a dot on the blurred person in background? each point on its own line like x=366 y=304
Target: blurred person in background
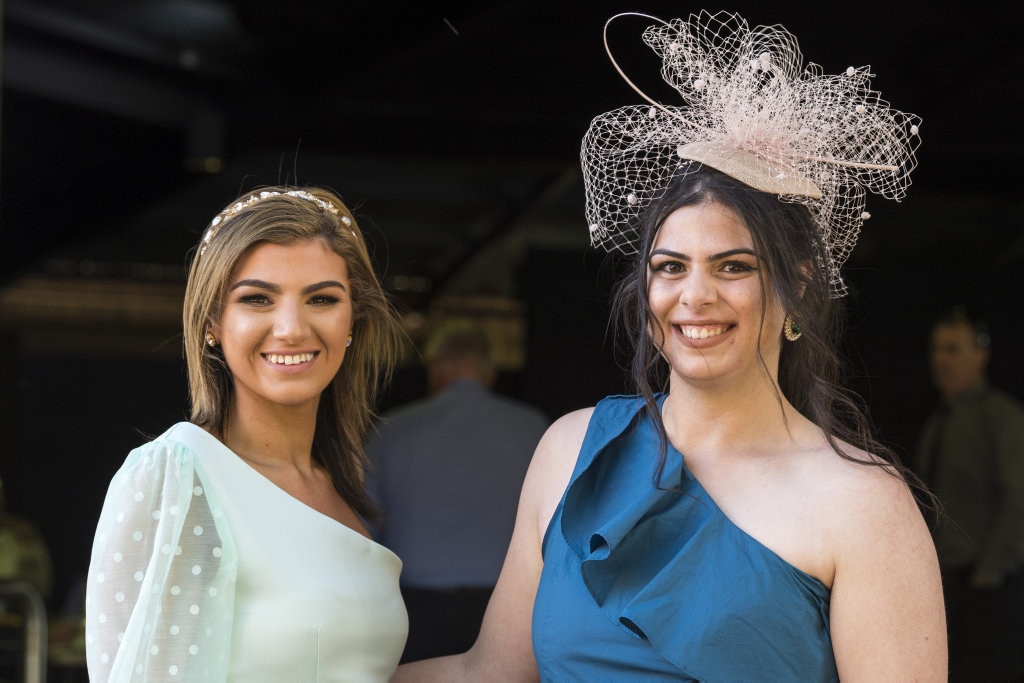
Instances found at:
x=446 y=474
x=971 y=454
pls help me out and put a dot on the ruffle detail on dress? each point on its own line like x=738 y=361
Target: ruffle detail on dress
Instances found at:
x=668 y=566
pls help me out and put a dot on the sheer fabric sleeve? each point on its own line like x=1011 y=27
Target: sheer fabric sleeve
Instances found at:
x=160 y=587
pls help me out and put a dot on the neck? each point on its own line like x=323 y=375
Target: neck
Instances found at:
x=273 y=437
x=742 y=418
x=952 y=396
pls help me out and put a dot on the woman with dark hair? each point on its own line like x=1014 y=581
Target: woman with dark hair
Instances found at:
x=233 y=545
x=786 y=240
x=735 y=519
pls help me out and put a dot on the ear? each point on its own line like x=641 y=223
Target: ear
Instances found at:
x=807 y=268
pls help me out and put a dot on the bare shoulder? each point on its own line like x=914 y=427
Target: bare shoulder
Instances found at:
x=864 y=492
x=820 y=509
x=553 y=463
x=571 y=427
x=869 y=515
x=562 y=440
x=886 y=615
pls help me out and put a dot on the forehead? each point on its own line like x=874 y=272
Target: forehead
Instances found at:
x=710 y=224
x=953 y=334
x=311 y=259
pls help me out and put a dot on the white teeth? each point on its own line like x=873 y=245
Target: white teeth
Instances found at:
x=280 y=359
x=702 y=332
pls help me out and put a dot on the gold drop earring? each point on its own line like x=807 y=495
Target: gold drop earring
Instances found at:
x=791 y=329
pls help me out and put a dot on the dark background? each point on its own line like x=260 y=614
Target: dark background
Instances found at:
x=453 y=130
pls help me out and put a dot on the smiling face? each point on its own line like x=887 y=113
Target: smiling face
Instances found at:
x=286 y=318
x=705 y=296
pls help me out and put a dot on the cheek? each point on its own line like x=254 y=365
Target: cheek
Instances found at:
x=238 y=328
x=242 y=334
x=774 y=318
x=774 y=311
x=660 y=295
x=336 y=328
x=347 y=319
x=658 y=302
x=657 y=328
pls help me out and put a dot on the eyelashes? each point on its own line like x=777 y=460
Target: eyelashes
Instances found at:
x=674 y=268
x=265 y=300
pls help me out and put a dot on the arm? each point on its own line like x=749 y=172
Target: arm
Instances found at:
x=159 y=575
x=887 y=615
x=504 y=649
x=1003 y=550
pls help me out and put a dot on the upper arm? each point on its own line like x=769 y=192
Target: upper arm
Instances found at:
x=160 y=573
x=504 y=648
x=887 y=616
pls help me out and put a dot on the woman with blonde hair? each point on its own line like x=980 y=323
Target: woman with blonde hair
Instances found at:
x=233 y=546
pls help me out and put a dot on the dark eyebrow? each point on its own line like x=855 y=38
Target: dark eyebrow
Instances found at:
x=258 y=284
x=270 y=287
x=323 y=285
x=714 y=257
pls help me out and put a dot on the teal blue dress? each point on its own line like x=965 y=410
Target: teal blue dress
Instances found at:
x=647 y=583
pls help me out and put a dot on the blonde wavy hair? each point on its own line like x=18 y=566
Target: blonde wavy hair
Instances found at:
x=284 y=215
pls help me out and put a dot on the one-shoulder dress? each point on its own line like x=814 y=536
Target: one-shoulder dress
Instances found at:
x=204 y=570
x=645 y=582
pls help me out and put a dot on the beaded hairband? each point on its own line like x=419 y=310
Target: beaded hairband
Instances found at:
x=230 y=212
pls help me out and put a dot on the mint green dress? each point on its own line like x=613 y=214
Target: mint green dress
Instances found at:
x=204 y=570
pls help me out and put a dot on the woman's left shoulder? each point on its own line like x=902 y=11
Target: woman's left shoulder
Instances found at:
x=886 y=611
x=863 y=491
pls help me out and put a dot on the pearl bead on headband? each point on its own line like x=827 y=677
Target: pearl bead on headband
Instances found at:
x=230 y=212
x=752 y=111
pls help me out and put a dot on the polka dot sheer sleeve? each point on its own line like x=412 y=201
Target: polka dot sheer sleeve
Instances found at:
x=160 y=589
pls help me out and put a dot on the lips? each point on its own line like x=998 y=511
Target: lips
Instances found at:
x=289 y=359
x=702 y=331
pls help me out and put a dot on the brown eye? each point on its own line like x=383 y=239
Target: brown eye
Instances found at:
x=737 y=267
x=254 y=299
x=668 y=267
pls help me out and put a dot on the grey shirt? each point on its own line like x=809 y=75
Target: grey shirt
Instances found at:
x=971 y=453
x=446 y=475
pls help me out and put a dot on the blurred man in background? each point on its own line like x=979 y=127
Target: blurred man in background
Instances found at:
x=446 y=474
x=971 y=454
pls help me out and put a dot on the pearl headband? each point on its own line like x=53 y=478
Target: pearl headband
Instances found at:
x=230 y=212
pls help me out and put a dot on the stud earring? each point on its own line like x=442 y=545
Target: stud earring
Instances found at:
x=791 y=329
x=348 y=342
x=211 y=341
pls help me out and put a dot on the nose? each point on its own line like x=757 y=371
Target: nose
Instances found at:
x=697 y=289
x=290 y=324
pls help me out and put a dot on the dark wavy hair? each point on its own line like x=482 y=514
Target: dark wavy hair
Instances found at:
x=789 y=248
